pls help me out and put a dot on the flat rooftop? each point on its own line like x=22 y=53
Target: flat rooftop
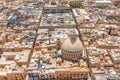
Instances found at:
x=57 y=19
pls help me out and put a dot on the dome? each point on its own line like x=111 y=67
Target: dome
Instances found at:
x=72 y=48
x=72 y=45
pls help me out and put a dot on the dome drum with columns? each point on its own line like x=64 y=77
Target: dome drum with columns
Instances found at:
x=72 y=48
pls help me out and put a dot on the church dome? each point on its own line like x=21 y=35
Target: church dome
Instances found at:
x=72 y=45
x=72 y=48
